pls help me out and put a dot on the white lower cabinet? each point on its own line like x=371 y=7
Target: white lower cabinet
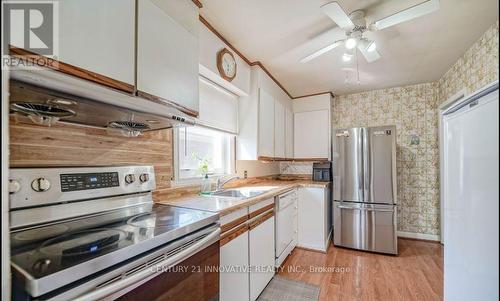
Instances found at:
x=261 y=257
x=247 y=260
x=314 y=220
x=234 y=278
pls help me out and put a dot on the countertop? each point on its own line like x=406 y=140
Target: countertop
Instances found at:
x=226 y=205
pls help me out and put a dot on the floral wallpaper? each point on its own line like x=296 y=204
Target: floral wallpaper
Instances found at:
x=475 y=69
x=414 y=111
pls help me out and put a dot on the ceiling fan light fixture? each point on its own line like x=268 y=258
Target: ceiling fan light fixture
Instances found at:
x=351 y=43
x=372 y=46
x=346 y=57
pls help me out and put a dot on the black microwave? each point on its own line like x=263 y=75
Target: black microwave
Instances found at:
x=322 y=171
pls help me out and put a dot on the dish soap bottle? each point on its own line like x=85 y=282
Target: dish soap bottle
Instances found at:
x=205 y=185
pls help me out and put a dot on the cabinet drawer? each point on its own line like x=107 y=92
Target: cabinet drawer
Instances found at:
x=260 y=207
x=233 y=219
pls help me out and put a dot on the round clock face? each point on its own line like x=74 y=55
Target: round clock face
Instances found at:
x=228 y=65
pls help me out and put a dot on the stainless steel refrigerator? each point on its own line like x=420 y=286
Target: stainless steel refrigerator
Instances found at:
x=364 y=189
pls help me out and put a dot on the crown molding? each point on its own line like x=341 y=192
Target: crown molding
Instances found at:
x=256 y=63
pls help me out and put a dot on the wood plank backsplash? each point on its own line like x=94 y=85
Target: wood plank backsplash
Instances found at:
x=72 y=145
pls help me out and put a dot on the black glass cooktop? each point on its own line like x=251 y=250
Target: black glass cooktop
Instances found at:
x=46 y=250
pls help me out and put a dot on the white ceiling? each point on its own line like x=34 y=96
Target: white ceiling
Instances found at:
x=280 y=32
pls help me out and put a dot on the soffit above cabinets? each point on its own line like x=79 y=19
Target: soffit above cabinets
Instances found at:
x=279 y=33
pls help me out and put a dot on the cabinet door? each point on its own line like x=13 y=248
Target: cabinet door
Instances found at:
x=234 y=255
x=279 y=130
x=266 y=124
x=98 y=36
x=311 y=218
x=288 y=133
x=312 y=134
x=167 y=52
x=261 y=240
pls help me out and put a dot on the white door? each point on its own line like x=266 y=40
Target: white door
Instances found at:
x=261 y=240
x=167 y=51
x=266 y=124
x=234 y=285
x=279 y=129
x=311 y=134
x=288 y=133
x=471 y=201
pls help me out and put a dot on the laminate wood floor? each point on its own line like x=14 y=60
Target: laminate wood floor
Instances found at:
x=344 y=274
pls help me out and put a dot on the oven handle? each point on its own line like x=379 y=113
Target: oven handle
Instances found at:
x=129 y=282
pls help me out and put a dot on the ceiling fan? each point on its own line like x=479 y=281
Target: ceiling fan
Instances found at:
x=354 y=25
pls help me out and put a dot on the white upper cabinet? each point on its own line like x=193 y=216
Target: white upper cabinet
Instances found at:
x=279 y=130
x=98 y=36
x=167 y=51
x=262 y=120
x=266 y=124
x=288 y=133
x=311 y=135
x=312 y=127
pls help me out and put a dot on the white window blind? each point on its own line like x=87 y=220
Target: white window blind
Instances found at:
x=218 y=107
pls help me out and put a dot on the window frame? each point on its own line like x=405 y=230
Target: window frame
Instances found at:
x=178 y=181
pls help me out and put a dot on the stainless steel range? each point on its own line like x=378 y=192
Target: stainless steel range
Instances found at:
x=94 y=233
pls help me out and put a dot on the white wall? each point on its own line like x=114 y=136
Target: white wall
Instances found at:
x=312 y=103
x=210 y=45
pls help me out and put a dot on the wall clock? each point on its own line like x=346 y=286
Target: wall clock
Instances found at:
x=226 y=64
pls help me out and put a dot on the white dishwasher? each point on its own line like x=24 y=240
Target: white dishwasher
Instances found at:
x=286 y=225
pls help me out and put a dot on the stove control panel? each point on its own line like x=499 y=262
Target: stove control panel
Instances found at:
x=30 y=187
x=84 y=181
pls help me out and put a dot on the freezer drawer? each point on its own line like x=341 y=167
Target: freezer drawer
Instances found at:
x=365 y=227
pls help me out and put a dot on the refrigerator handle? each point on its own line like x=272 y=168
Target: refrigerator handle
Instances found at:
x=367 y=177
x=360 y=166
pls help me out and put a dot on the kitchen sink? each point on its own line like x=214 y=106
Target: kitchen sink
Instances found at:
x=241 y=192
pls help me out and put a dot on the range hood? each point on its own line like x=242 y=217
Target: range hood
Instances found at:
x=45 y=97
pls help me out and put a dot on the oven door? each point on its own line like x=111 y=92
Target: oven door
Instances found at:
x=187 y=272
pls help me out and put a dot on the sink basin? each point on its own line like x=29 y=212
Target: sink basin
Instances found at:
x=241 y=192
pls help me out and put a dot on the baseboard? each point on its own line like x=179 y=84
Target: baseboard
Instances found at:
x=419 y=236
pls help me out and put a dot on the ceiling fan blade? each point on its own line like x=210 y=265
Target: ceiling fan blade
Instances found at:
x=370 y=56
x=413 y=12
x=338 y=15
x=321 y=51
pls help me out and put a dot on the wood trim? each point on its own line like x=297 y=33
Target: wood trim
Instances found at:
x=163 y=101
x=313 y=250
x=256 y=63
x=421 y=239
x=314 y=94
x=309 y=159
x=260 y=220
x=215 y=32
x=234 y=223
x=229 y=236
x=197 y=3
x=263 y=158
x=261 y=210
x=43 y=61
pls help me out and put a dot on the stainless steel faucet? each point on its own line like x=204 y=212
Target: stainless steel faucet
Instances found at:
x=220 y=184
